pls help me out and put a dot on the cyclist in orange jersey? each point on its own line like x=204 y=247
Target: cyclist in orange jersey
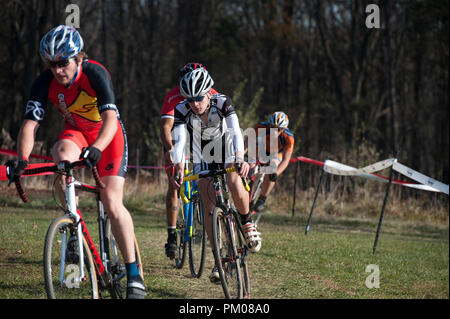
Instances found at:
x=275 y=128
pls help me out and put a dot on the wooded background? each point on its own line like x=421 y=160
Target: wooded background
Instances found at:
x=352 y=94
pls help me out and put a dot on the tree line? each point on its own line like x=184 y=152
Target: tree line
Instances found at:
x=352 y=93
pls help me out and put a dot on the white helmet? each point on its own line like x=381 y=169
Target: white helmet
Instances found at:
x=279 y=119
x=61 y=43
x=196 y=83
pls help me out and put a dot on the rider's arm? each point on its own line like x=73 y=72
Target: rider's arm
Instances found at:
x=287 y=153
x=34 y=113
x=107 y=131
x=173 y=97
x=235 y=131
x=284 y=163
x=165 y=135
x=179 y=137
x=26 y=137
x=100 y=80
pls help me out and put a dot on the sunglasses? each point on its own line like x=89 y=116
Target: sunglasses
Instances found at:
x=59 y=64
x=195 y=99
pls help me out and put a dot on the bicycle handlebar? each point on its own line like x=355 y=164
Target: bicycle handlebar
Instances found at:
x=216 y=172
x=62 y=167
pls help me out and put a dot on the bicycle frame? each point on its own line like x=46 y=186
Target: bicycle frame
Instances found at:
x=108 y=271
x=100 y=262
x=190 y=190
x=223 y=202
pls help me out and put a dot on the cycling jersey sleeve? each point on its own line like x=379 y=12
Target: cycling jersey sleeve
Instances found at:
x=173 y=97
x=35 y=109
x=179 y=138
x=235 y=131
x=289 y=141
x=100 y=81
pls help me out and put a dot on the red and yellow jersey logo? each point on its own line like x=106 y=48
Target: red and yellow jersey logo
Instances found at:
x=85 y=106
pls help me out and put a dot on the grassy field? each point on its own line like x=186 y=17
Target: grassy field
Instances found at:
x=329 y=262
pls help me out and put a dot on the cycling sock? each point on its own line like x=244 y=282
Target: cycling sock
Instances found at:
x=247 y=218
x=262 y=198
x=132 y=270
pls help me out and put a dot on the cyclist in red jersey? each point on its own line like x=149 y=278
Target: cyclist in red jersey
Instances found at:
x=82 y=90
x=284 y=140
x=173 y=97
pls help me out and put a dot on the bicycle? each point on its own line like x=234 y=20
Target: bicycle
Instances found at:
x=255 y=189
x=73 y=267
x=257 y=179
x=190 y=229
x=230 y=247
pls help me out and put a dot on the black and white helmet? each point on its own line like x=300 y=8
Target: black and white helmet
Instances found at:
x=196 y=83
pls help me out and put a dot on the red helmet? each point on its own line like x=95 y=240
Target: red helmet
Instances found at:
x=190 y=66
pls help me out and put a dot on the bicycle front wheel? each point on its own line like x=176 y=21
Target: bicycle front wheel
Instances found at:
x=61 y=265
x=225 y=255
x=242 y=250
x=197 y=242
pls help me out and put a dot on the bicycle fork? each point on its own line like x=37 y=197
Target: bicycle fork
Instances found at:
x=72 y=212
x=224 y=203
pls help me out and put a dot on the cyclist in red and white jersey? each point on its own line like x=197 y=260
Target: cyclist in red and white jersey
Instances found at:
x=173 y=97
x=82 y=91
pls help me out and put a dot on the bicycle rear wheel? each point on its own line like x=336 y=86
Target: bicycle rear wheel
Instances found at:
x=197 y=242
x=61 y=266
x=225 y=255
x=118 y=270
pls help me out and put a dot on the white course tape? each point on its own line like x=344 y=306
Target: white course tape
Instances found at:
x=419 y=177
x=336 y=168
x=426 y=183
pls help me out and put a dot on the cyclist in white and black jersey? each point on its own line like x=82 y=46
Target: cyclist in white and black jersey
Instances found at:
x=220 y=133
x=211 y=124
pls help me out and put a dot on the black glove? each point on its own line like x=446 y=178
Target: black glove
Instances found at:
x=273 y=177
x=91 y=155
x=16 y=168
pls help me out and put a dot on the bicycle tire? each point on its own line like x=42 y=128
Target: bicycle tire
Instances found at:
x=256 y=190
x=117 y=266
x=180 y=258
x=54 y=248
x=225 y=256
x=243 y=252
x=197 y=242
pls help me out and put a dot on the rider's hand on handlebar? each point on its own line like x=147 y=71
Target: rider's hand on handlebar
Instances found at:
x=16 y=168
x=177 y=178
x=242 y=169
x=91 y=155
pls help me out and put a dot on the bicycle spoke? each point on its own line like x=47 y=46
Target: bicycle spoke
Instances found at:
x=197 y=243
x=227 y=261
x=61 y=265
